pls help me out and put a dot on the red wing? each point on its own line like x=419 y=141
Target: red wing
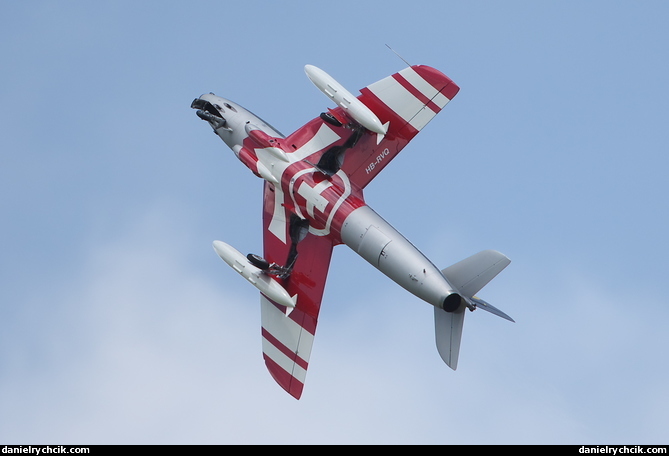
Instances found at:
x=407 y=101
x=287 y=340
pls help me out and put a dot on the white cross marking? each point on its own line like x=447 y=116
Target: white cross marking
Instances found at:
x=313 y=196
x=322 y=139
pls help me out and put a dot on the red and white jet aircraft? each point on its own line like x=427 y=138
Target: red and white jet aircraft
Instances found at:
x=313 y=200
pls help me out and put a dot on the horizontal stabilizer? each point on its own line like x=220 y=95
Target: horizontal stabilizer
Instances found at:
x=481 y=304
x=471 y=274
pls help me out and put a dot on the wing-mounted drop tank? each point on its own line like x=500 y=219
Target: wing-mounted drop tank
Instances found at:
x=256 y=276
x=345 y=99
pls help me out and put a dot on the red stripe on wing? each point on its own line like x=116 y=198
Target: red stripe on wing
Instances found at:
x=285 y=350
x=289 y=383
x=416 y=93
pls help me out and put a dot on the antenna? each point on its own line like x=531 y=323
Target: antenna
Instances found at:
x=402 y=58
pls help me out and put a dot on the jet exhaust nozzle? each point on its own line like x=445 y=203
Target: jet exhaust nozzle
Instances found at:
x=452 y=302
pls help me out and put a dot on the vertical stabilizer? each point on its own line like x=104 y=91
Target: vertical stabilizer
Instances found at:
x=448 y=330
x=467 y=277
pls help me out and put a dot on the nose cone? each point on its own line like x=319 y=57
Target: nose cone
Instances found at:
x=205 y=105
x=210 y=112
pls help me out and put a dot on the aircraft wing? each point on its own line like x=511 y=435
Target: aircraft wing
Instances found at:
x=405 y=101
x=287 y=340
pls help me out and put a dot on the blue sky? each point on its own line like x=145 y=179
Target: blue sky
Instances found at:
x=121 y=325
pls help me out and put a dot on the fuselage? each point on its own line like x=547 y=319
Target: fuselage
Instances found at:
x=331 y=204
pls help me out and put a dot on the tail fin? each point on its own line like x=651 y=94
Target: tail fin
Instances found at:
x=467 y=277
x=448 y=331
